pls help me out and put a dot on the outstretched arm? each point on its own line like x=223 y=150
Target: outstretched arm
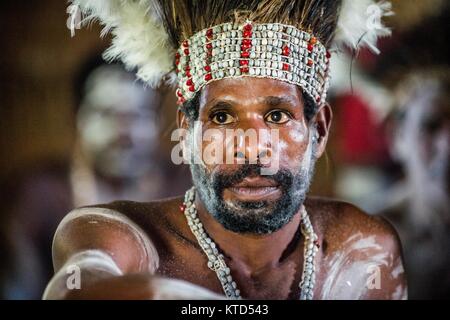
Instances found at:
x=101 y=254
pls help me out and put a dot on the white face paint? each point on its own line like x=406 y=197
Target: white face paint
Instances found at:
x=298 y=135
x=308 y=156
x=117 y=123
x=347 y=279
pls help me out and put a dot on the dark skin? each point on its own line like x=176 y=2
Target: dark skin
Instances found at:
x=151 y=243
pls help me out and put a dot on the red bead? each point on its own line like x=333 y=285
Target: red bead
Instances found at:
x=286 y=51
x=286 y=67
x=318 y=99
x=310 y=47
x=243 y=62
x=187 y=68
x=185 y=43
x=189 y=82
x=179 y=93
x=248 y=27
x=209 y=46
x=186 y=52
x=182 y=208
x=209 y=33
x=317 y=243
x=207 y=68
x=192 y=89
x=245 y=54
x=181 y=101
x=313 y=40
x=208 y=77
x=310 y=62
x=247 y=42
x=177 y=56
x=247 y=34
x=188 y=74
x=244 y=69
x=177 y=62
x=328 y=55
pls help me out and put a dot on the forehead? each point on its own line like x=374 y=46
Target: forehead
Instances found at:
x=246 y=90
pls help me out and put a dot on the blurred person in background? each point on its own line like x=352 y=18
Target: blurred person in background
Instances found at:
x=419 y=204
x=417 y=72
x=38 y=66
x=390 y=146
x=117 y=154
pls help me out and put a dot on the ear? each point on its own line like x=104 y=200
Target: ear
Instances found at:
x=182 y=119
x=322 y=122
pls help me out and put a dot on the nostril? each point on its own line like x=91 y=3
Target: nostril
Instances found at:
x=239 y=155
x=265 y=154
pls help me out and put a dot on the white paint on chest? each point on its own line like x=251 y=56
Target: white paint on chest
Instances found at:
x=348 y=270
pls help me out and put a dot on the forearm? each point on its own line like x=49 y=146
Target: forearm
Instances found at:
x=81 y=272
x=101 y=279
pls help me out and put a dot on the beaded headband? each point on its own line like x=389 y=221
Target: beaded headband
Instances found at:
x=270 y=50
x=146 y=32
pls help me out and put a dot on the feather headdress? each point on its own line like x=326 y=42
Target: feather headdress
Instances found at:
x=147 y=33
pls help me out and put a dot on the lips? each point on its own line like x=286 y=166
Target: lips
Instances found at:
x=255 y=189
x=256 y=182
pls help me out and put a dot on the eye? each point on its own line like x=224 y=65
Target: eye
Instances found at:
x=277 y=116
x=222 y=117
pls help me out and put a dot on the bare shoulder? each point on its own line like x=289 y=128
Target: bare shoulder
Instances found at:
x=357 y=249
x=127 y=231
x=155 y=217
x=341 y=221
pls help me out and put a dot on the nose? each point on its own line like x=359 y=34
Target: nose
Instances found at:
x=252 y=142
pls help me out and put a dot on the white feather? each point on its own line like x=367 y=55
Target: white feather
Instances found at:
x=139 y=37
x=360 y=23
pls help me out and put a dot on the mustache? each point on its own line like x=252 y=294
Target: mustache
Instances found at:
x=222 y=179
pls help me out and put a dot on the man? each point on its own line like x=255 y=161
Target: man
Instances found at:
x=419 y=203
x=118 y=151
x=240 y=233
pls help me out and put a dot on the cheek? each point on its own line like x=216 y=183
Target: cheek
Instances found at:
x=97 y=133
x=293 y=145
x=213 y=147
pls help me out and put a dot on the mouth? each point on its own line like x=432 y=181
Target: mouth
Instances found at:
x=254 y=189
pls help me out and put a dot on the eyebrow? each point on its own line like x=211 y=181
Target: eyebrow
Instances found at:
x=220 y=105
x=273 y=101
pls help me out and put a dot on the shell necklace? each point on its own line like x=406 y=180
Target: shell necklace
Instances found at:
x=216 y=260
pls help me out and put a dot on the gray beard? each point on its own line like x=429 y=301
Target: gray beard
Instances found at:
x=252 y=217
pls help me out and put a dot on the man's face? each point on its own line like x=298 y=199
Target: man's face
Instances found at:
x=236 y=193
x=117 y=124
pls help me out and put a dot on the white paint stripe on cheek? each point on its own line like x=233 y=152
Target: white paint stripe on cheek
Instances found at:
x=307 y=157
x=299 y=134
